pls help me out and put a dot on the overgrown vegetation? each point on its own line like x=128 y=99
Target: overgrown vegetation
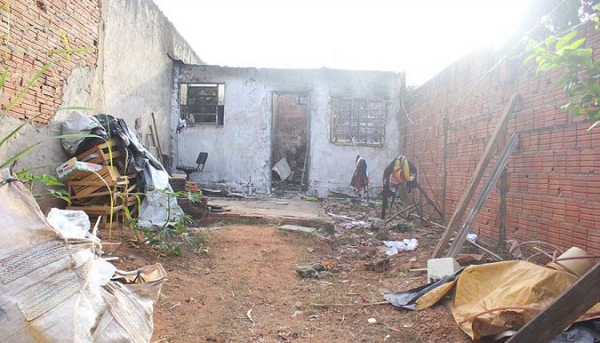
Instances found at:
x=55 y=187
x=581 y=71
x=175 y=231
x=554 y=17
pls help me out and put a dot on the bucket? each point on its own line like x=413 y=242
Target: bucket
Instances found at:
x=575 y=266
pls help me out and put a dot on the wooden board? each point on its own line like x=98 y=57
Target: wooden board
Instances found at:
x=500 y=166
x=102 y=153
x=475 y=179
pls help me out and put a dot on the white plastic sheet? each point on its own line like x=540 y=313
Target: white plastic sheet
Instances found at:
x=409 y=244
x=158 y=208
x=54 y=288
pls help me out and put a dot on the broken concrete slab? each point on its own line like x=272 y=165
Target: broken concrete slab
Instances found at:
x=298 y=228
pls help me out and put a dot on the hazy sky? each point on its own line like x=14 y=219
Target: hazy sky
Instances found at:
x=420 y=37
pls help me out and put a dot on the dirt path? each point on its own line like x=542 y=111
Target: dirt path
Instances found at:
x=245 y=289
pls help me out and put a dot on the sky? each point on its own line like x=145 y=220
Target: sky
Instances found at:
x=418 y=37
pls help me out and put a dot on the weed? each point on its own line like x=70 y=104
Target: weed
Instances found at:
x=174 y=231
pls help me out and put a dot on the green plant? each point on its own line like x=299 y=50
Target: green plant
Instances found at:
x=175 y=230
x=581 y=71
x=27 y=177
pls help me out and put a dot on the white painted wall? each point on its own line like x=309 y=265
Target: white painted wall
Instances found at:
x=240 y=151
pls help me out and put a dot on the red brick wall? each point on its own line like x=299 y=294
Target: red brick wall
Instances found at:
x=553 y=175
x=29 y=29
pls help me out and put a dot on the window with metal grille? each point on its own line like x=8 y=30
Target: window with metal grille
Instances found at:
x=202 y=103
x=361 y=120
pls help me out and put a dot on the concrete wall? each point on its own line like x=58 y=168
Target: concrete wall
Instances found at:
x=139 y=47
x=240 y=150
x=553 y=189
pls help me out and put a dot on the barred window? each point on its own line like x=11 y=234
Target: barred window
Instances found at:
x=361 y=120
x=202 y=103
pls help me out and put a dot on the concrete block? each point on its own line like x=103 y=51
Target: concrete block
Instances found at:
x=438 y=268
x=298 y=228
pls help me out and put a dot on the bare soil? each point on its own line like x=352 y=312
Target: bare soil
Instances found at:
x=241 y=286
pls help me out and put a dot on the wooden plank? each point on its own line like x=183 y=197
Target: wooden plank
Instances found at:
x=160 y=152
x=483 y=196
x=408 y=208
x=474 y=182
x=102 y=153
x=574 y=302
x=95 y=209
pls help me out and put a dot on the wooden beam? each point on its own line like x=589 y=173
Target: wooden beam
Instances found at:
x=477 y=175
x=408 y=208
x=500 y=166
x=498 y=258
x=160 y=152
x=429 y=200
x=574 y=302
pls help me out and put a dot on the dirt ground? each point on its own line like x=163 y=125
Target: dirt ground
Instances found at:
x=241 y=286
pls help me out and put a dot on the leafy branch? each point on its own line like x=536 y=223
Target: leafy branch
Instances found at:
x=580 y=80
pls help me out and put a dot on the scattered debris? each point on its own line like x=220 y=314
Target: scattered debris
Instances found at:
x=469 y=259
x=337 y=216
x=404 y=245
x=308 y=198
x=282 y=169
x=378 y=266
x=249 y=315
x=354 y=304
x=492 y=298
x=376 y=223
x=174 y=306
x=311 y=271
x=496 y=257
x=371 y=320
x=355 y=224
x=472 y=237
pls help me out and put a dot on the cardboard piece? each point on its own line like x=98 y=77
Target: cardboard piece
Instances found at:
x=76 y=170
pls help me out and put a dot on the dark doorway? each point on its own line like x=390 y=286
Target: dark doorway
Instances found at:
x=290 y=140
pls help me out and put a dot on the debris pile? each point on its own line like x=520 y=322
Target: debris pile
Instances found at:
x=111 y=172
x=97 y=186
x=197 y=208
x=490 y=300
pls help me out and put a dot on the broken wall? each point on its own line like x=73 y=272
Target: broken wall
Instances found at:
x=240 y=150
x=552 y=187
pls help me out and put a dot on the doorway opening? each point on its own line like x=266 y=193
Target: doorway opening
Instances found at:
x=290 y=147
